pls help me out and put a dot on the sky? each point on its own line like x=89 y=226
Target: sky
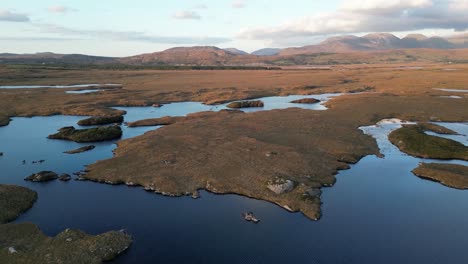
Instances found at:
x=125 y=28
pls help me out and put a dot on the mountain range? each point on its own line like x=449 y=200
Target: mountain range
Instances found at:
x=351 y=47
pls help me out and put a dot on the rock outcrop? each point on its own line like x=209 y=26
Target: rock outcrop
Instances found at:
x=43 y=176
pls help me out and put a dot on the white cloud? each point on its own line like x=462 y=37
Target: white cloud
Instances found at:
x=238 y=4
x=459 y=5
x=133 y=36
x=187 y=15
x=357 y=16
x=9 y=16
x=60 y=9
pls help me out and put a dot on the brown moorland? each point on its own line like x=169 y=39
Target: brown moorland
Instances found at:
x=202 y=152
x=242 y=153
x=148 y=87
x=451 y=175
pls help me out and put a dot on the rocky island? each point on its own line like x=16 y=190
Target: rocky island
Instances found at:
x=88 y=135
x=245 y=104
x=101 y=120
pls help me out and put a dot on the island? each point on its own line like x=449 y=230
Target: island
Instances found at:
x=88 y=135
x=413 y=140
x=25 y=243
x=101 y=120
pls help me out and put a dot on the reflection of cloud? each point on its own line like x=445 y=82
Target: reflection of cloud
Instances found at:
x=187 y=15
x=60 y=9
x=238 y=4
x=6 y=15
x=356 y=16
x=130 y=36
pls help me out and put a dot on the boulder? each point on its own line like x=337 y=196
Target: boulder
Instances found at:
x=280 y=186
x=250 y=217
x=64 y=177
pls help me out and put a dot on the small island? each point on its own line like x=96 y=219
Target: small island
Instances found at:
x=88 y=135
x=43 y=176
x=305 y=101
x=80 y=150
x=245 y=104
x=101 y=120
x=412 y=140
x=161 y=121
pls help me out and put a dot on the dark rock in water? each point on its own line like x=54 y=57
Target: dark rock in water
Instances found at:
x=64 y=177
x=88 y=135
x=245 y=104
x=1 y=154
x=42 y=176
x=80 y=150
x=250 y=217
x=306 y=101
x=101 y=120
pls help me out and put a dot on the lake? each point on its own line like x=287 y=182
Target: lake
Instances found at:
x=377 y=212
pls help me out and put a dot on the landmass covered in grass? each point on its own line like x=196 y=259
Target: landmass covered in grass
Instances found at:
x=452 y=175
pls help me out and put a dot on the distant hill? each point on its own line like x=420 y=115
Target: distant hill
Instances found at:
x=53 y=58
x=371 y=48
x=236 y=51
x=200 y=55
x=373 y=42
x=266 y=52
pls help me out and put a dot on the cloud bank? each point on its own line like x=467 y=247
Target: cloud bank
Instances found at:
x=187 y=15
x=134 y=36
x=9 y=16
x=358 y=16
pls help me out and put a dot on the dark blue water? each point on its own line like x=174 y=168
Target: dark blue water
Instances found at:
x=377 y=212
